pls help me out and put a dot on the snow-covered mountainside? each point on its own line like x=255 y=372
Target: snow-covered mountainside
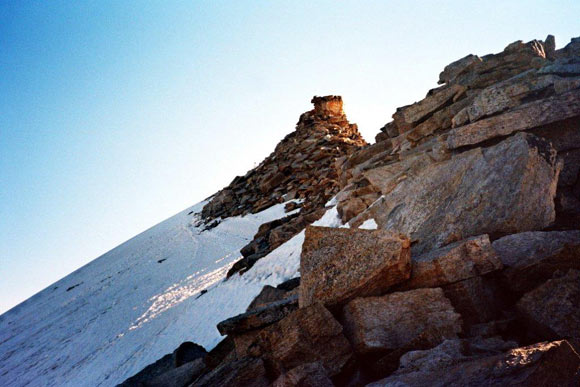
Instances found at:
x=110 y=318
x=126 y=309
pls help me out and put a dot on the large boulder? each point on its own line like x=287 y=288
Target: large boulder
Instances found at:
x=552 y=309
x=505 y=188
x=455 y=262
x=339 y=264
x=530 y=258
x=413 y=319
x=310 y=334
x=542 y=364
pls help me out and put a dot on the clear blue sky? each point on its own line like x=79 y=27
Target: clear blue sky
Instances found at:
x=114 y=115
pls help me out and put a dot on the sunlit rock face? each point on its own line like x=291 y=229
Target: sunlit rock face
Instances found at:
x=330 y=105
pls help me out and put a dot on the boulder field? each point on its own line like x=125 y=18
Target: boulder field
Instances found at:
x=458 y=259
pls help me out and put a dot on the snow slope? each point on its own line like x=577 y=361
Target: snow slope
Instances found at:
x=127 y=308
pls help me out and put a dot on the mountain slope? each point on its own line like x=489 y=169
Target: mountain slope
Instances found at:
x=124 y=310
x=110 y=318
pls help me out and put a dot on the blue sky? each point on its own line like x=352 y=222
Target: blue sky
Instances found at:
x=116 y=115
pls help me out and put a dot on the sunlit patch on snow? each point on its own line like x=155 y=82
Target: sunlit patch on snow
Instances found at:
x=181 y=291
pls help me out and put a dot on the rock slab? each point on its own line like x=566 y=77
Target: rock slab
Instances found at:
x=339 y=264
x=412 y=319
x=506 y=188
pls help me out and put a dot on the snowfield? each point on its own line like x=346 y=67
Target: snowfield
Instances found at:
x=107 y=320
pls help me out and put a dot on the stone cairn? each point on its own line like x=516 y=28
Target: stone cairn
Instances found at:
x=472 y=275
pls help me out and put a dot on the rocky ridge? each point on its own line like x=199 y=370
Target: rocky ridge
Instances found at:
x=470 y=273
x=302 y=167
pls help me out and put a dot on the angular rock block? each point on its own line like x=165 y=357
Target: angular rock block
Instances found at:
x=542 y=364
x=238 y=373
x=474 y=299
x=553 y=309
x=339 y=264
x=258 y=318
x=455 y=262
x=530 y=258
x=307 y=335
x=527 y=116
x=416 y=318
x=506 y=188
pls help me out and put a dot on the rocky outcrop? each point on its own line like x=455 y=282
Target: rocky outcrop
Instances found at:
x=541 y=364
x=472 y=276
x=552 y=308
x=340 y=264
x=302 y=167
x=455 y=262
x=531 y=258
x=528 y=87
x=309 y=374
x=458 y=198
x=308 y=335
x=177 y=368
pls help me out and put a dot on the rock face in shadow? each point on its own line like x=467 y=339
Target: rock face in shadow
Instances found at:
x=309 y=374
x=416 y=318
x=552 y=309
x=530 y=258
x=455 y=262
x=542 y=364
x=506 y=188
x=339 y=264
x=310 y=334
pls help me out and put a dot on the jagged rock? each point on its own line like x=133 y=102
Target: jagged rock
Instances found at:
x=451 y=352
x=307 y=335
x=564 y=135
x=531 y=258
x=290 y=284
x=167 y=366
x=339 y=264
x=473 y=193
x=440 y=120
x=306 y=375
x=563 y=66
x=571 y=170
x=259 y=317
x=542 y=364
x=407 y=117
x=515 y=59
x=452 y=70
x=303 y=166
x=221 y=353
x=455 y=262
x=475 y=298
x=511 y=92
x=526 y=116
x=248 y=372
x=416 y=318
x=178 y=377
x=552 y=308
x=267 y=295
